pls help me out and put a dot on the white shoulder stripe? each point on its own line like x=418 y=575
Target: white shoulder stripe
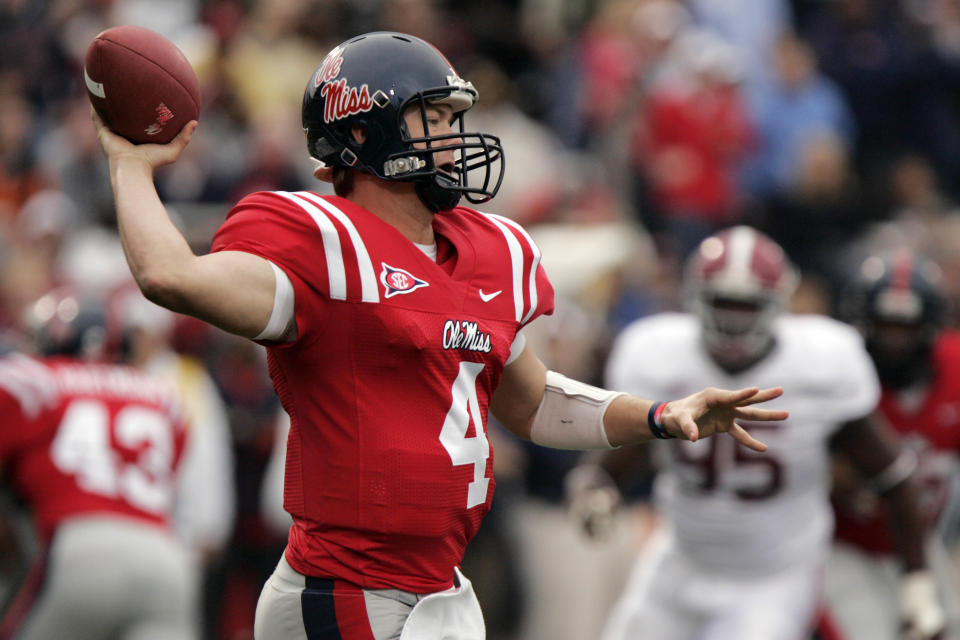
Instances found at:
x=502 y=223
x=30 y=383
x=535 y=250
x=368 y=278
x=516 y=263
x=331 y=246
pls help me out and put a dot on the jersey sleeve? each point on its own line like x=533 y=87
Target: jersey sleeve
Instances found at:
x=840 y=366
x=533 y=293
x=269 y=225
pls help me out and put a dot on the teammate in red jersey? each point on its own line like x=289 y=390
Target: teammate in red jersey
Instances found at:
x=92 y=449
x=897 y=304
x=393 y=320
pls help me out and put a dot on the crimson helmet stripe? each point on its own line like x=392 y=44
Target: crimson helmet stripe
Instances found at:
x=368 y=278
x=742 y=261
x=902 y=271
x=511 y=230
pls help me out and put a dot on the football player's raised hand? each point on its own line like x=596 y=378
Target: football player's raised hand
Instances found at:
x=712 y=411
x=154 y=155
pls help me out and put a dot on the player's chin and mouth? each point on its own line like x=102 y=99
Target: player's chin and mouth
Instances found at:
x=448 y=170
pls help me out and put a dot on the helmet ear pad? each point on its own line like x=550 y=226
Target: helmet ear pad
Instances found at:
x=372 y=137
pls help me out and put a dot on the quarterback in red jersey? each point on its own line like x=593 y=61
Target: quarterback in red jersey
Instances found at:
x=92 y=450
x=392 y=319
x=897 y=304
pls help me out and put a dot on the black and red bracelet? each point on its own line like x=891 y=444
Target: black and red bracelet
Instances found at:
x=653 y=421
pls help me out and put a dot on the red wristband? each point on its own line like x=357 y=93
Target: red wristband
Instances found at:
x=653 y=421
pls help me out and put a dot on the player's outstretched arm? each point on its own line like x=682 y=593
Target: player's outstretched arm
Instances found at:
x=229 y=289
x=705 y=413
x=554 y=411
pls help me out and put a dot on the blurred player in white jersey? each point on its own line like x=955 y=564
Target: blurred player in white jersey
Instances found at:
x=897 y=303
x=741 y=552
x=93 y=448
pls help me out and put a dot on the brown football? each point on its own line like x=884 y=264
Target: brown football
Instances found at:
x=141 y=84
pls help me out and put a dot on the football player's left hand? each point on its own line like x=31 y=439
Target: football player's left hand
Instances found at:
x=922 y=617
x=713 y=411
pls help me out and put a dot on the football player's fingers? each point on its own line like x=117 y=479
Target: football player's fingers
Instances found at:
x=763 y=395
x=742 y=436
x=173 y=148
x=689 y=428
x=760 y=415
x=186 y=134
x=161 y=154
x=108 y=139
x=99 y=124
x=724 y=398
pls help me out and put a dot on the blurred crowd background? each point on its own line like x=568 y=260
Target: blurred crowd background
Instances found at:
x=632 y=128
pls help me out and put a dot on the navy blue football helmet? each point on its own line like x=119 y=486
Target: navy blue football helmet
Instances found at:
x=370 y=81
x=897 y=303
x=65 y=322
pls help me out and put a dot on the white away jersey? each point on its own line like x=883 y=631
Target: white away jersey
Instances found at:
x=732 y=509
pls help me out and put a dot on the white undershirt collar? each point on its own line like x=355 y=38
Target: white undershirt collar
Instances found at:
x=429 y=250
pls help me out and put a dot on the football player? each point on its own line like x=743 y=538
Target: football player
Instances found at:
x=896 y=302
x=744 y=539
x=392 y=319
x=92 y=449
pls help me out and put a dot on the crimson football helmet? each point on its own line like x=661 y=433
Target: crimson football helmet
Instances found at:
x=897 y=302
x=736 y=282
x=370 y=81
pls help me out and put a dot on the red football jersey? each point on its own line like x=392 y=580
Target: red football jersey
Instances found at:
x=83 y=438
x=931 y=426
x=389 y=470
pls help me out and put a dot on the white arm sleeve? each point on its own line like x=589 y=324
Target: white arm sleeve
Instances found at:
x=571 y=415
x=282 y=317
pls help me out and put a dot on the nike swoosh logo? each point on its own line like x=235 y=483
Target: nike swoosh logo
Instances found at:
x=487 y=297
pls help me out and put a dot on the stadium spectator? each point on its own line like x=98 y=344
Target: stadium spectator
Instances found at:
x=690 y=138
x=795 y=103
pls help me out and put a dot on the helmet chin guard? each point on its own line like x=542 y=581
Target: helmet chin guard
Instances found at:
x=370 y=82
x=437 y=194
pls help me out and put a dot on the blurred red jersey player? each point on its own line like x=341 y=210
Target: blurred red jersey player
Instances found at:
x=897 y=303
x=92 y=448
